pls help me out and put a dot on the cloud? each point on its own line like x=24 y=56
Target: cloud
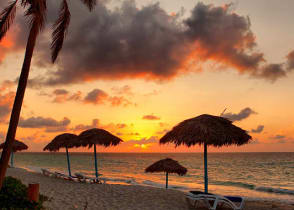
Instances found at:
x=111 y=44
x=255 y=141
x=259 y=129
x=150 y=117
x=121 y=125
x=82 y=127
x=96 y=96
x=279 y=137
x=6 y=100
x=125 y=90
x=243 y=114
x=119 y=101
x=290 y=61
x=41 y=122
x=143 y=143
x=60 y=92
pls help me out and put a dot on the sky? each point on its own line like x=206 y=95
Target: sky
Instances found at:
x=138 y=68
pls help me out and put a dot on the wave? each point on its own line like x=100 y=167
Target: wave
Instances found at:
x=127 y=181
x=256 y=188
x=236 y=184
x=275 y=190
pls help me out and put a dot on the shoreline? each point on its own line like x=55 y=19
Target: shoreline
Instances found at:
x=72 y=195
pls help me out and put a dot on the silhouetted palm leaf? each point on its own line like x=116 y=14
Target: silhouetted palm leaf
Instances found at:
x=60 y=28
x=6 y=18
x=36 y=12
x=89 y=3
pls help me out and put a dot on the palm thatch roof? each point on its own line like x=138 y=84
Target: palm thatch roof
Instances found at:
x=17 y=146
x=99 y=137
x=209 y=129
x=62 y=141
x=167 y=165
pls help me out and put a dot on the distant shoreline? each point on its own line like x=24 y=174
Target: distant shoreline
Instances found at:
x=157 y=152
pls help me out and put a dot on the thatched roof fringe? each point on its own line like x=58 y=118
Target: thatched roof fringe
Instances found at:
x=167 y=165
x=99 y=137
x=17 y=146
x=209 y=129
x=61 y=141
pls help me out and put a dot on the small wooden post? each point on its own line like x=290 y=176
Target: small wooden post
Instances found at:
x=33 y=192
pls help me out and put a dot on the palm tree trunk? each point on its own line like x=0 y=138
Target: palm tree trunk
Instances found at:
x=15 y=114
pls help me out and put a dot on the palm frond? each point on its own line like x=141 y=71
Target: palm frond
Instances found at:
x=60 y=29
x=89 y=3
x=6 y=18
x=36 y=12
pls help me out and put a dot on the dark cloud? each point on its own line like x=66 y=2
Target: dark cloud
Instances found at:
x=82 y=127
x=41 y=122
x=243 y=114
x=96 y=96
x=279 y=137
x=259 y=129
x=60 y=92
x=271 y=72
x=150 y=117
x=62 y=95
x=111 y=44
x=290 y=61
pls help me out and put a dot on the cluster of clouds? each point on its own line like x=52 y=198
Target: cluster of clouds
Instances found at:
x=243 y=114
x=95 y=96
x=51 y=125
x=150 y=43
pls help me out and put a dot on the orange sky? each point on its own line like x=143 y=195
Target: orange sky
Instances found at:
x=140 y=110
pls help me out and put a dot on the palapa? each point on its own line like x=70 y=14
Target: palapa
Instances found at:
x=97 y=136
x=168 y=166
x=17 y=146
x=65 y=140
x=208 y=130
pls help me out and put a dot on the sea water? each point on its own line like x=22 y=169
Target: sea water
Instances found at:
x=267 y=176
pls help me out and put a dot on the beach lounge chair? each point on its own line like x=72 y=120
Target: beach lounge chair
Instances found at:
x=46 y=172
x=212 y=201
x=87 y=179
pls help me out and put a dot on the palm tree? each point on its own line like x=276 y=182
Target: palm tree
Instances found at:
x=36 y=14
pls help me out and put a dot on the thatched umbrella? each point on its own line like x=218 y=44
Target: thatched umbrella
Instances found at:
x=65 y=140
x=167 y=165
x=96 y=136
x=207 y=130
x=17 y=146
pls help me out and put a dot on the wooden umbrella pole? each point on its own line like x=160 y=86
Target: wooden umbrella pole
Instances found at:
x=166 y=183
x=95 y=156
x=205 y=169
x=68 y=162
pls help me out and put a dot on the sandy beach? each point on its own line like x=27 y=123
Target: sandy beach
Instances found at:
x=71 y=195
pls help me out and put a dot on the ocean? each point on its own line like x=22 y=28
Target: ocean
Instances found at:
x=266 y=176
